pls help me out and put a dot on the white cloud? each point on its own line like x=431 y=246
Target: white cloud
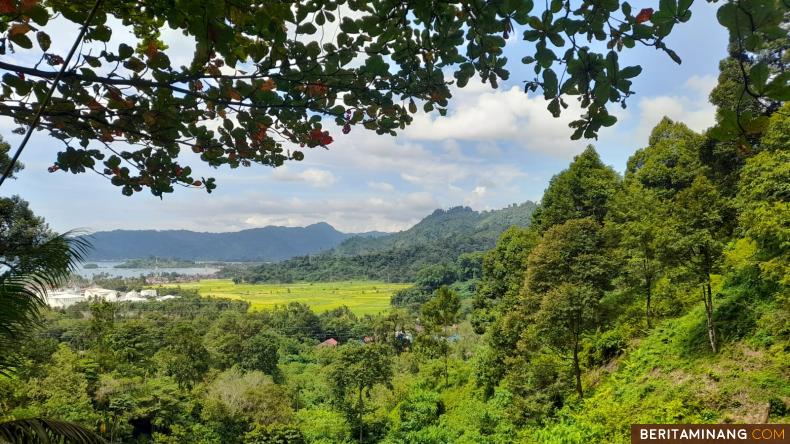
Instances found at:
x=381 y=186
x=483 y=115
x=312 y=176
x=693 y=108
x=356 y=213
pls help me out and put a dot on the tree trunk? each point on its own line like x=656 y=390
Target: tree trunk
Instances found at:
x=708 y=297
x=446 y=352
x=576 y=369
x=360 y=413
x=647 y=308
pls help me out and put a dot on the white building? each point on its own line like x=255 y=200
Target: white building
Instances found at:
x=101 y=294
x=166 y=297
x=64 y=298
x=67 y=297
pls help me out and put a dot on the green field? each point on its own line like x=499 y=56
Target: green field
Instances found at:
x=362 y=297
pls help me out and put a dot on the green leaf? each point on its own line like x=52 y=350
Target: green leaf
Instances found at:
x=349 y=26
x=101 y=33
x=607 y=120
x=554 y=107
x=21 y=40
x=549 y=84
x=125 y=51
x=626 y=8
x=673 y=55
x=376 y=65
x=44 y=42
x=306 y=28
x=134 y=64
x=631 y=71
x=779 y=87
x=758 y=75
x=670 y=6
x=39 y=15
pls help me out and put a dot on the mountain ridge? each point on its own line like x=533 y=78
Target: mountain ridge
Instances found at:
x=439 y=238
x=270 y=243
x=278 y=243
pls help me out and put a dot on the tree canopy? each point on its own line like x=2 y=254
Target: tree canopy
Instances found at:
x=265 y=79
x=582 y=190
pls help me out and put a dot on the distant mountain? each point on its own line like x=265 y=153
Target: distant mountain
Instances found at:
x=438 y=239
x=258 y=244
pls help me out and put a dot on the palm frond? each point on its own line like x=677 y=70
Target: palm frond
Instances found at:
x=46 y=431
x=24 y=287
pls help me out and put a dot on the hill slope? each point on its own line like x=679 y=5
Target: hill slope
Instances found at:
x=670 y=376
x=438 y=239
x=443 y=225
x=258 y=244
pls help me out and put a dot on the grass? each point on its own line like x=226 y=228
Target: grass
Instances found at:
x=671 y=376
x=362 y=297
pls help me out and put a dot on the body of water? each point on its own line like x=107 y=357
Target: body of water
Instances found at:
x=109 y=268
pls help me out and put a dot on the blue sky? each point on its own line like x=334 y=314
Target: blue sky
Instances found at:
x=494 y=148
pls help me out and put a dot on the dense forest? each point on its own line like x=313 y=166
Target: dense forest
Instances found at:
x=659 y=296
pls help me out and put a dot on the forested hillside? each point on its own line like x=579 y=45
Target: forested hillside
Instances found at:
x=444 y=225
x=438 y=239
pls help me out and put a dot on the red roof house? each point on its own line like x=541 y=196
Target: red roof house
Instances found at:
x=331 y=342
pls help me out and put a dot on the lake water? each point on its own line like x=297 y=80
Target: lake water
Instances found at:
x=108 y=267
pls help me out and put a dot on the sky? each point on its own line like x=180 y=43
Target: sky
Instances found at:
x=494 y=148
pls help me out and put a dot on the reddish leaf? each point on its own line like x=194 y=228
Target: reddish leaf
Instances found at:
x=316 y=89
x=94 y=105
x=268 y=85
x=7 y=7
x=18 y=29
x=151 y=50
x=26 y=5
x=233 y=94
x=644 y=15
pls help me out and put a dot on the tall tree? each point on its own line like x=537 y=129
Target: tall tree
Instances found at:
x=696 y=241
x=33 y=261
x=355 y=370
x=670 y=162
x=634 y=220
x=184 y=358
x=260 y=353
x=503 y=273
x=582 y=190
x=567 y=275
x=764 y=200
x=439 y=314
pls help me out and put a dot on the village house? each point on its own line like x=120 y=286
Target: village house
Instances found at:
x=67 y=297
x=331 y=342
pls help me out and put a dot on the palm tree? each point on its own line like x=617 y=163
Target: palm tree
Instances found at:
x=24 y=283
x=45 y=431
